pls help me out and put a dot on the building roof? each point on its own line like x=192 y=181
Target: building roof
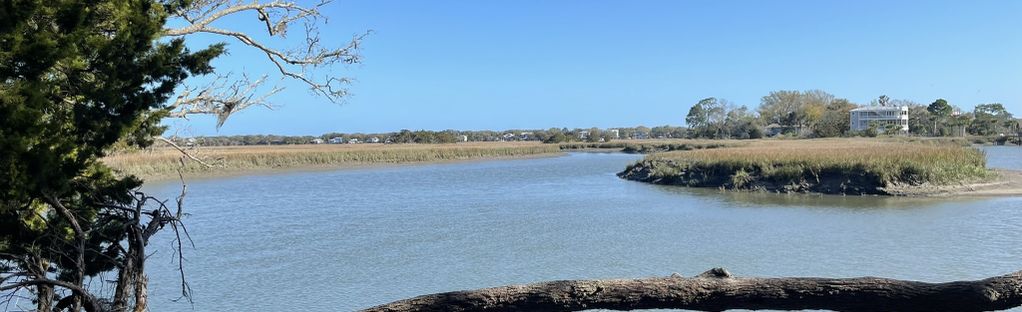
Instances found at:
x=880 y=108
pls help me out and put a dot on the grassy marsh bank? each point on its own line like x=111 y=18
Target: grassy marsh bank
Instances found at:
x=162 y=163
x=831 y=166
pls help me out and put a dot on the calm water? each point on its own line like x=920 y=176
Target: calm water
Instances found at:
x=349 y=239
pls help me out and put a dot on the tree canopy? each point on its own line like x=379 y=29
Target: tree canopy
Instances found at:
x=76 y=77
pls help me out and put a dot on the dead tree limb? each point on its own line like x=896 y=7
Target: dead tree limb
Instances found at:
x=311 y=62
x=717 y=290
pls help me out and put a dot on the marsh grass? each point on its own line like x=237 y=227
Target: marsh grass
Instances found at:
x=825 y=165
x=164 y=162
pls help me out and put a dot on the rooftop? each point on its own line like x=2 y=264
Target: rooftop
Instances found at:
x=880 y=108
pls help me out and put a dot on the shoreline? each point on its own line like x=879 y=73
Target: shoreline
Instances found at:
x=1007 y=183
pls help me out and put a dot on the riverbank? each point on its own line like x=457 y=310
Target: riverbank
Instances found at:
x=165 y=163
x=827 y=166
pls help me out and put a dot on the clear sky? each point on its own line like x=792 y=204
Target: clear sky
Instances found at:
x=475 y=65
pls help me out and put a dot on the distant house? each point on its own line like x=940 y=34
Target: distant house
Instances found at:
x=508 y=136
x=582 y=135
x=774 y=129
x=880 y=116
x=463 y=138
x=524 y=136
x=615 y=133
x=336 y=140
x=641 y=135
x=374 y=140
x=316 y=141
x=353 y=141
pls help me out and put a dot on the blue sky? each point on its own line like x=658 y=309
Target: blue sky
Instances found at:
x=475 y=65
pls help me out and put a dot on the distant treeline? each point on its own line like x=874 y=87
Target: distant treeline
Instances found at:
x=803 y=114
x=816 y=113
x=552 y=135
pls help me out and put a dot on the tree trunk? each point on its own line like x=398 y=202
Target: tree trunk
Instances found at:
x=44 y=298
x=44 y=293
x=717 y=290
x=121 y=289
x=141 y=293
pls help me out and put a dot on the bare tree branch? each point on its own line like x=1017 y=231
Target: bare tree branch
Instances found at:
x=223 y=96
x=310 y=63
x=184 y=153
x=89 y=302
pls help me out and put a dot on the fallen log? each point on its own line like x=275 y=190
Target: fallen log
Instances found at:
x=717 y=290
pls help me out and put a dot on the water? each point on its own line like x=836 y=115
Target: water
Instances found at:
x=350 y=239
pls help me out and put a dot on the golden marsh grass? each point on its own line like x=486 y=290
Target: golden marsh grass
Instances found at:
x=847 y=162
x=164 y=162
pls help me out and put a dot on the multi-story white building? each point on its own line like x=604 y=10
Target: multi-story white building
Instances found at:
x=881 y=116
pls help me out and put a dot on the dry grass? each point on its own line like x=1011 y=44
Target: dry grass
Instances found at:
x=164 y=162
x=879 y=163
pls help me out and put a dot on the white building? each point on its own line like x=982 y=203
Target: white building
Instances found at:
x=615 y=133
x=881 y=116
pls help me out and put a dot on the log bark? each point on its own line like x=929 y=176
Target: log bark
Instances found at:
x=717 y=290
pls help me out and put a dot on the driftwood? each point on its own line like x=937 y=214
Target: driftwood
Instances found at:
x=717 y=290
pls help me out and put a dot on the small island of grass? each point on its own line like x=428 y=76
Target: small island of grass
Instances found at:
x=830 y=166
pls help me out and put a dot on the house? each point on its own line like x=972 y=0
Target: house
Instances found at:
x=883 y=117
x=524 y=136
x=508 y=137
x=336 y=140
x=463 y=138
x=374 y=140
x=615 y=133
x=773 y=129
x=316 y=141
x=353 y=141
x=582 y=135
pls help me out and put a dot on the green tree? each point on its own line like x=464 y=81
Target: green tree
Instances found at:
x=742 y=124
x=781 y=107
x=812 y=107
x=81 y=77
x=990 y=119
x=696 y=116
x=941 y=111
x=920 y=120
x=834 y=121
x=594 y=134
x=75 y=81
x=707 y=118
